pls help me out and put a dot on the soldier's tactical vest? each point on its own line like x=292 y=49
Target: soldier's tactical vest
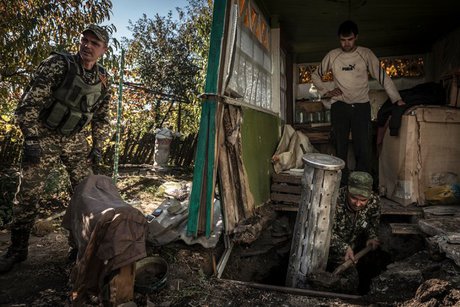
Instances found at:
x=74 y=101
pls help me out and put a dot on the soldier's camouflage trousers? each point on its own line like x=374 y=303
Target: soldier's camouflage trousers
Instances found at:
x=71 y=152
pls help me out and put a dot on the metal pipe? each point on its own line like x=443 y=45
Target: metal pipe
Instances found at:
x=119 y=111
x=296 y=291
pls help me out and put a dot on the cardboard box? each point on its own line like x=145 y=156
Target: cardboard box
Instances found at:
x=425 y=153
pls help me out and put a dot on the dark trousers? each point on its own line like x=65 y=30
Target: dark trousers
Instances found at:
x=357 y=119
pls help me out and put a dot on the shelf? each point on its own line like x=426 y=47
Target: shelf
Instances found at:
x=312 y=126
x=310 y=106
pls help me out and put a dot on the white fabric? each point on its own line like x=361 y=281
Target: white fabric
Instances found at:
x=289 y=153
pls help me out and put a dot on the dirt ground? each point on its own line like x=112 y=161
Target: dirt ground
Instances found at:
x=42 y=280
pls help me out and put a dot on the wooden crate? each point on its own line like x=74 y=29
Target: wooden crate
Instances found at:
x=285 y=190
x=310 y=106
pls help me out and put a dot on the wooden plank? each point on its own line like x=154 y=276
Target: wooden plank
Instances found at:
x=122 y=285
x=404 y=228
x=434 y=211
x=289 y=198
x=287 y=178
x=198 y=174
x=453 y=238
x=216 y=112
x=440 y=225
x=285 y=207
x=226 y=186
x=285 y=188
x=229 y=175
x=246 y=197
x=389 y=207
x=318 y=137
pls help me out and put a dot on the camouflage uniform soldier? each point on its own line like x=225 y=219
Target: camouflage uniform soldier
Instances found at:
x=66 y=93
x=357 y=218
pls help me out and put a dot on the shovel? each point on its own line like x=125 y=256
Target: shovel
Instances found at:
x=349 y=262
x=328 y=280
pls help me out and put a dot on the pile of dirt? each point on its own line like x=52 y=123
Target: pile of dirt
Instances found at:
x=402 y=279
x=435 y=292
x=42 y=280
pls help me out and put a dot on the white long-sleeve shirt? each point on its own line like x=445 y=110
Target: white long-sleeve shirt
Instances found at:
x=350 y=70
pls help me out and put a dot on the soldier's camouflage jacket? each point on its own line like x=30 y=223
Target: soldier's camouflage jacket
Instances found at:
x=349 y=225
x=47 y=78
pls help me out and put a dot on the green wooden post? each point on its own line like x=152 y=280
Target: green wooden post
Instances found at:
x=204 y=161
x=119 y=111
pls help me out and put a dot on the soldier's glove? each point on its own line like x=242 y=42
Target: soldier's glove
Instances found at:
x=32 y=151
x=95 y=156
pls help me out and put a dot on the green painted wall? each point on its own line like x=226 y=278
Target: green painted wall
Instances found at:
x=260 y=135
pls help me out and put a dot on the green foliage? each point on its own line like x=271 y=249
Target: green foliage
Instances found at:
x=31 y=29
x=168 y=56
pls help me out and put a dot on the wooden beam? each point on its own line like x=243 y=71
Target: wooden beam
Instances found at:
x=404 y=229
x=286 y=207
x=389 y=207
x=287 y=178
x=440 y=225
x=286 y=188
x=289 y=198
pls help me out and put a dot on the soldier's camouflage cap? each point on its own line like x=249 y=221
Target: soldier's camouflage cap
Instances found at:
x=100 y=32
x=360 y=183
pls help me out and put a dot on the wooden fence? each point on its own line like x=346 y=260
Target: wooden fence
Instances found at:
x=135 y=149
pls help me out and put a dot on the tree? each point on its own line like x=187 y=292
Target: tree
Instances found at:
x=169 y=56
x=26 y=39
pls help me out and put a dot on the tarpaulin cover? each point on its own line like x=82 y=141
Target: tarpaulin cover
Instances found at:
x=108 y=232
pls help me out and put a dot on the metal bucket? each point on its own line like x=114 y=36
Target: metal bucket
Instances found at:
x=151 y=274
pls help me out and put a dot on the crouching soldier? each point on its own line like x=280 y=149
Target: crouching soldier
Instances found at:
x=66 y=94
x=356 y=224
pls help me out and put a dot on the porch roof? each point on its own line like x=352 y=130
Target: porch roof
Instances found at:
x=389 y=28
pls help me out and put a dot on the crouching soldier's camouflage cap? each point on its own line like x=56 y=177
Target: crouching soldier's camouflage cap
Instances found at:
x=100 y=32
x=360 y=183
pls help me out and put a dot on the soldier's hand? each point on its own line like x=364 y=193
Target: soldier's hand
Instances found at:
x=374 y=243
x=32 y=151
x=350 y=255
x=95 y=156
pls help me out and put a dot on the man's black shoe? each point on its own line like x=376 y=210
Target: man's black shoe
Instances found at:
x=9 y=259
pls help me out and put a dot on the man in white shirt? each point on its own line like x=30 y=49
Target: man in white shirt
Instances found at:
x=351 y=66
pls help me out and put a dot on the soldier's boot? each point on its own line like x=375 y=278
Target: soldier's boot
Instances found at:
x=72 y=253
x=17 y=251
